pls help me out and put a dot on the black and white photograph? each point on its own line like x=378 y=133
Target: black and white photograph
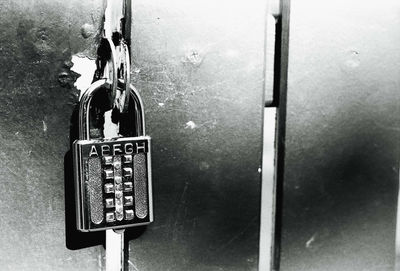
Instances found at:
x=199 y=135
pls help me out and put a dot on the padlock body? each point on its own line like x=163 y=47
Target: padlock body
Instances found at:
x=113 y=183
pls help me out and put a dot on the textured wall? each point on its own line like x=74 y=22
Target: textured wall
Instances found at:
x=341 y=174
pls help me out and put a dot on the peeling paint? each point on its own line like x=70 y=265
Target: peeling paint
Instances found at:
x=190 y=124
x=110 y=129
x=86 y=68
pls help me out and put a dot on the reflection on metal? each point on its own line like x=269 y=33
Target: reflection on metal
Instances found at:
x=115 y=260
x=114 y=40
x=268 y=192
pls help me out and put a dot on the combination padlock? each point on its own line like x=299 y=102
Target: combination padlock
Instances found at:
x=112 y=176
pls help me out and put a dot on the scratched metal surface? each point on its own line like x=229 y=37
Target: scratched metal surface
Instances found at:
x=36 y=42
x=342 y=148
x=199 y=68
x=201 y=77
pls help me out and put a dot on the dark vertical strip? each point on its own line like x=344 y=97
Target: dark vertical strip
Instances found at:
x=127 y=24
x=277 y=62
x=282 y=44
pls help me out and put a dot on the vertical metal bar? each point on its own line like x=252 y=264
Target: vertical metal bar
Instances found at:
x=269 y=71
x=113 y=14
x=283 y=27
x=127 y=27
x=115 y=260
x=268 y=187
x=397 y=246
x=276 y=65
x=397 y=238
x=115 y=250
x=268 y=192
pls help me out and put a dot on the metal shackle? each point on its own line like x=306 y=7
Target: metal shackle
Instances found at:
x=113 y=60
x=84 y=108
x=119 y=59
x=127 y=78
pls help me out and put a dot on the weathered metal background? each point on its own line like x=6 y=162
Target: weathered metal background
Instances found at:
x=342 y=137
x=199 y=68
x=37 y=40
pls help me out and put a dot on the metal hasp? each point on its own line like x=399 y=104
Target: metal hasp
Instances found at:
x=113 y=52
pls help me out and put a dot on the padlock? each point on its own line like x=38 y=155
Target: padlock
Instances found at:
x=112 y=175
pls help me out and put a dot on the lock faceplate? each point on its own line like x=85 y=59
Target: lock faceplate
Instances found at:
x=113 y=183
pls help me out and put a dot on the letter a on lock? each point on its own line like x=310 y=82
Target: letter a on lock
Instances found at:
x=93 y=151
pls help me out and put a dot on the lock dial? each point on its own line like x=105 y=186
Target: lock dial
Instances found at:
x=113 y=188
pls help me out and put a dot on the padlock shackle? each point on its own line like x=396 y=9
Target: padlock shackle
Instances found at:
x=108 y=46
x=114 y=78
x=139 y=111
x=127 y=79
x=84 y=108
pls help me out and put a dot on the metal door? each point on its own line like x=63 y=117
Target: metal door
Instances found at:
x=199 y=68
